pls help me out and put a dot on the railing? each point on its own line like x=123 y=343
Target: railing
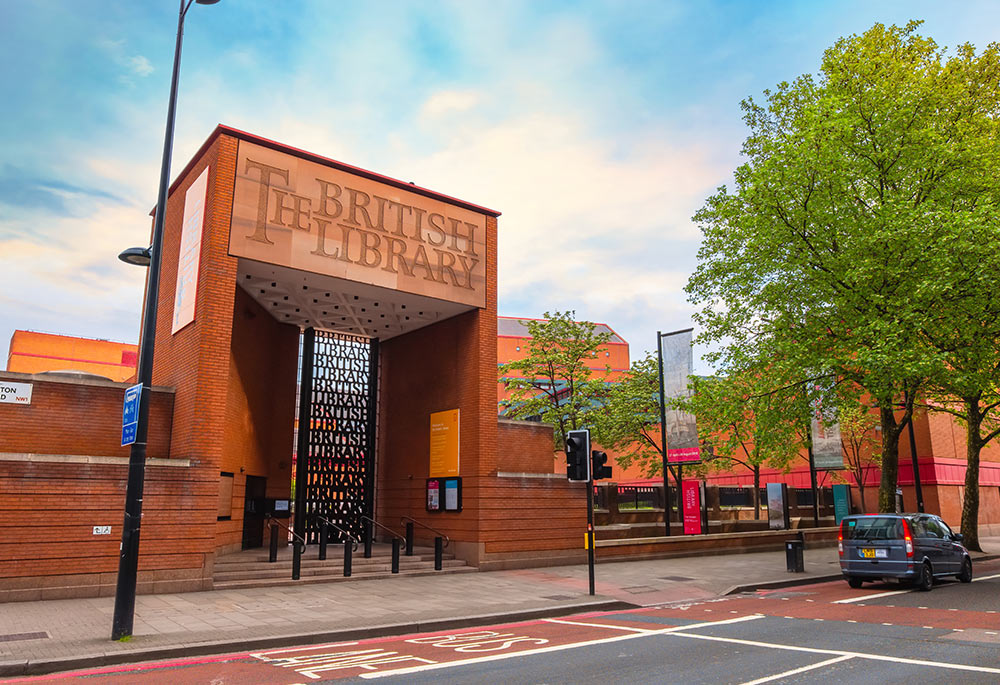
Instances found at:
x=350 y=544
x=438 y=538
x=298 y=546
x=639 y=497
x=396 y=539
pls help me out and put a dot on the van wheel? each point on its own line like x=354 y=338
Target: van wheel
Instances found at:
x=925 y=581
x=965 y=575
x=854 y=582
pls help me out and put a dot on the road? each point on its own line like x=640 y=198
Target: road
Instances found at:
x=807 y=634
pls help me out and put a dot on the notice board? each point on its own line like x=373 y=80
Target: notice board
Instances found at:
x=444 y=444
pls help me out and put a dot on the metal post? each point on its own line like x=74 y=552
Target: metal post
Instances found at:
x=395 y=555
x=663 y=437
x=438 y=552
x=919 y=491
x=368 y=539
x=409 y=538
x=128 y=561
x=590 y=532
x=324 y=532
x=304 y=438
x=348 y=551
x=272 y=555
x=296 y=559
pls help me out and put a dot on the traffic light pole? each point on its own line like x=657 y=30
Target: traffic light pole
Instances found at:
x=590 y=532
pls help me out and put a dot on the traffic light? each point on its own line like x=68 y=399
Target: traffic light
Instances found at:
x=598 y=468
x=577 y=456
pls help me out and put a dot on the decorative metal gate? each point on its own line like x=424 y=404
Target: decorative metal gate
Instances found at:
x=335 y=463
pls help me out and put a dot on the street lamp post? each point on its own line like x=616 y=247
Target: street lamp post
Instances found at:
x=128 y=562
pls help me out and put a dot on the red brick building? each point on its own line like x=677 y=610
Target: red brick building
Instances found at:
x=389 y=291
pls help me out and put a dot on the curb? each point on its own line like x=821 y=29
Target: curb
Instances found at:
x=25 y=667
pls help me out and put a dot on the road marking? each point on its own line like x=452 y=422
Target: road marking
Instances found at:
x=851 y=600
x=838 y=652
x=796 y=671
x=553 y=648
x=596 y=625
x=328 y=645
x=996 y=575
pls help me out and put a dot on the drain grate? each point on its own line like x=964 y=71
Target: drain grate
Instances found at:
x=14 y=637
x=558 y=597
x=639 y=589
x=677 y=578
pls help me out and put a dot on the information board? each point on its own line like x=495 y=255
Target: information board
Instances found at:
x=130 y=414
x=444 y=444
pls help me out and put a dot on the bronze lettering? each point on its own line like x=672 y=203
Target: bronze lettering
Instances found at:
x=470 y=239
x=354 y=206
x=420 y=259
x=468 y=264
x=370 y=254
x=438 y=226
x=398 y=230
x=443 y=268
x=396 y=256
x=418 y=220
x=326 y=198
x=266 y=172
x=295 y=209
x=380 y=203
x=321 y=226
x=345 y=241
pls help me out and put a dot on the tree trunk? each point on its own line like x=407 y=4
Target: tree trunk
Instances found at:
x=970 y=508
x=861 y=493
x=890 y=457
x=756 y=493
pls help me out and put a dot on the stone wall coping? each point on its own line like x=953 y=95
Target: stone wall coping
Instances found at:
x=88 y=459
x=18 y=377
x=512 y=474
x=522 y=422
x=680 y=539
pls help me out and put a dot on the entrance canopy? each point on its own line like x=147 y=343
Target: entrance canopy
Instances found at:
x=309 y=299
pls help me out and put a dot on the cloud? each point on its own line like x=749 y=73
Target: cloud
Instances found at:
x=139 y=65
x=449 y=101
x=21 y=189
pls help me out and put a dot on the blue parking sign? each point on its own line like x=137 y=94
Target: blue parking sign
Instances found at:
x=130 y=414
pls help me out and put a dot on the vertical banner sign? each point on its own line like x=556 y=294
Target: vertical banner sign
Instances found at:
x=777 y=507
x=444 y=444
x=681 y=427
x=841 y=501
x=189 y=257
x=691 y=503
x=827 y=449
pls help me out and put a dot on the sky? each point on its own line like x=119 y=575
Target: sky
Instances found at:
x=597 y=129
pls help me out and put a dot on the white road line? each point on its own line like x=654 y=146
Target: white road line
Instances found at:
x=268 y=652
x=596 y=625
x=858 y=655
x=796 y=671
x=851 y=600
x=553 y=648
x=995 y=575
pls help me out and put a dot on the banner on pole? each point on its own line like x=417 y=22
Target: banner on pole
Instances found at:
x=691 y=503
x=681 y=426
x=828 y=452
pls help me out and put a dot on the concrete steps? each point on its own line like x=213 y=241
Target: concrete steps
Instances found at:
x=251 y=568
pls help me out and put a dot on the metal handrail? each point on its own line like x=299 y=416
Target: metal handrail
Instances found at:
x=294 y=534
x=385 y=528
x=333 y=525
x=447 y=540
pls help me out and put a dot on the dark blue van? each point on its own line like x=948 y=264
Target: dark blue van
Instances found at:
x=911 y=547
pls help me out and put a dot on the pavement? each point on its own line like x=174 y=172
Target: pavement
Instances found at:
x=57 y=635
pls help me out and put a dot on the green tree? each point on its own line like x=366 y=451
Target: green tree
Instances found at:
x=834 y=251
x=744 y=425
x=857 y=424
x=552 y=382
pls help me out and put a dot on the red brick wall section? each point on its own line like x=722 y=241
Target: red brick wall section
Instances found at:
x=50 y=504
x=260 y=407
x=525 y=447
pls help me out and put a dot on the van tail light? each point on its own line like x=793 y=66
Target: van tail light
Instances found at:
x=907 y=539
x=840 y=539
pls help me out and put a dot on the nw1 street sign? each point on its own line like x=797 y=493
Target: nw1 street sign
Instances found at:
x=130 y=414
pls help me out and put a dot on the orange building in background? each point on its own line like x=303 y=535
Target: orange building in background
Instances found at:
x=32 y=352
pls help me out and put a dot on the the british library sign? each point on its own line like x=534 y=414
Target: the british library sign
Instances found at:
x=305 y=215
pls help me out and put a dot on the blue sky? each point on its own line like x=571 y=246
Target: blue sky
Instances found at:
x=597 y=128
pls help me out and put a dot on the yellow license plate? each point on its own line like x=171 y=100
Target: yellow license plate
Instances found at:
x=869 y=553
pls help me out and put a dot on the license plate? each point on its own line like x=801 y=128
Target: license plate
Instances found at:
x=869 y=553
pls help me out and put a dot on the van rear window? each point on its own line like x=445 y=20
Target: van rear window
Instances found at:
x=873 y=528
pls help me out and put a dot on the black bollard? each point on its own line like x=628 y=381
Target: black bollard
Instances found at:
x=409 y=538
x=296 y=559
x=395 y=555
x=348 y=551
x=368 y=539
x=273 y=553
x=438 y=552
x=324 y=531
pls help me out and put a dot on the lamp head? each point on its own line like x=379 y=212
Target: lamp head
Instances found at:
x=139 y=256
x=206 y=2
